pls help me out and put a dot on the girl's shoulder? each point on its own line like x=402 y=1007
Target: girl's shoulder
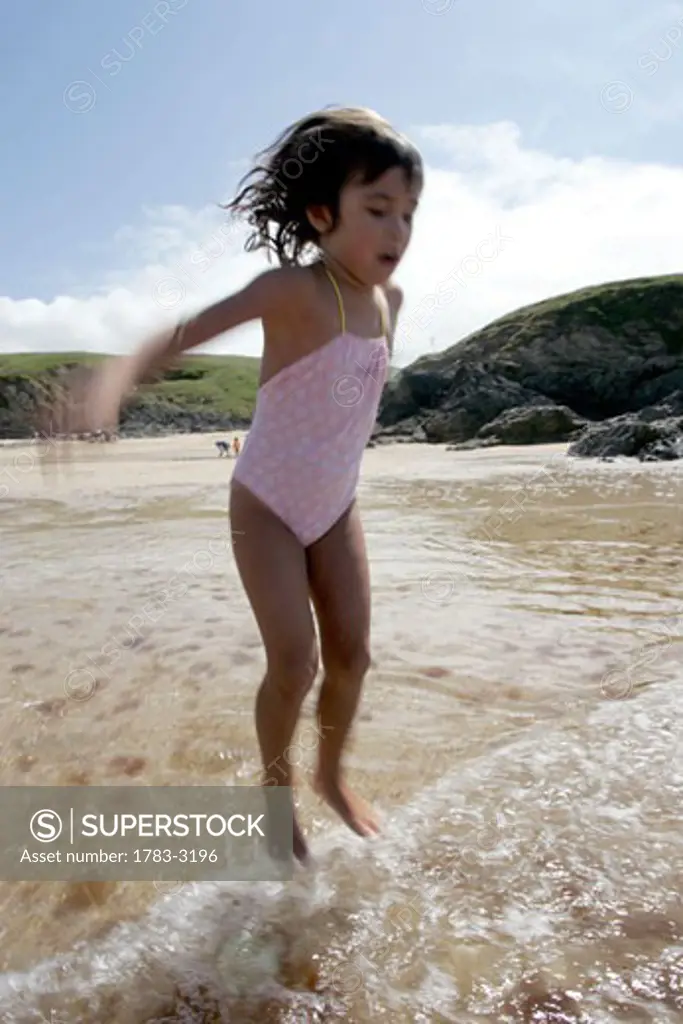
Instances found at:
x=291 y=305
x=394 y=296
x=303 y=288
x=283 y=288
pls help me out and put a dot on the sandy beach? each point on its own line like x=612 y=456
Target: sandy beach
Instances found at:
x=525 y=756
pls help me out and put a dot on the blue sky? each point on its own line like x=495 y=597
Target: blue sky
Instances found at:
x=114 y=115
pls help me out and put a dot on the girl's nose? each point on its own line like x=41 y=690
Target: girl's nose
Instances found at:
x=398 y=230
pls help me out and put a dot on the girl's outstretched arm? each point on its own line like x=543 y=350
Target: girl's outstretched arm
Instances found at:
x=257 y=301
x=96 y=405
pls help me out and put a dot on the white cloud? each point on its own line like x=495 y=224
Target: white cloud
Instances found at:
x=500 y=226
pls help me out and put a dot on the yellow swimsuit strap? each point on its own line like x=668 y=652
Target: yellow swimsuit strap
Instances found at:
x=342 y=314
x=383 y=322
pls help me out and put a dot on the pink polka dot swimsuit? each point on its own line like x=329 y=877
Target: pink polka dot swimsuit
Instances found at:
x=311 y=425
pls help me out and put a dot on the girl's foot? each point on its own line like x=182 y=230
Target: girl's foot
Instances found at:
x=275 y=832
x=357 y=814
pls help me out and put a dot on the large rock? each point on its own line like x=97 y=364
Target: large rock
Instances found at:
x=474 y=397
x=670 y=408
x=535 y=424
x=410 y=393
x=664 y=449
x=631 y=436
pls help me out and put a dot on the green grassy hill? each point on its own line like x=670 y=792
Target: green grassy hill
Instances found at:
x=202 y=392
x=616 y=307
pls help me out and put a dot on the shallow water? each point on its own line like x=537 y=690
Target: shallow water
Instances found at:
x=520 y=736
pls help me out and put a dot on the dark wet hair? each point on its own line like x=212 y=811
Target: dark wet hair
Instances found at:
x=308 y=165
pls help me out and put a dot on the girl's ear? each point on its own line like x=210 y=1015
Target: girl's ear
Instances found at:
x=320 y=218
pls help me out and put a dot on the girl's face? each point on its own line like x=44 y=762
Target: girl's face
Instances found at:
x=374 y=226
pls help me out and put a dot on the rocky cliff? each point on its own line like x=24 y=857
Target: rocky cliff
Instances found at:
x=602 y=367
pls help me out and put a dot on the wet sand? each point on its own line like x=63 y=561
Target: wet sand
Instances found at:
x=519 y=731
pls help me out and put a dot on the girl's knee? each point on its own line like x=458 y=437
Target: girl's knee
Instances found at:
x=293 y=671
x=352 y=661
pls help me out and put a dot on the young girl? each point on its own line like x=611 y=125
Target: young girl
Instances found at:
x=333 y=199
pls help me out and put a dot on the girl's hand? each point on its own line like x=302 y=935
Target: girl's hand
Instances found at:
x=88 y=401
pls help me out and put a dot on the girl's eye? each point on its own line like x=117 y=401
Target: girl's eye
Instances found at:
x=376 y=213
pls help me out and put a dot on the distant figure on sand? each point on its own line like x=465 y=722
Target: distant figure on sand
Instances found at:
x=333 y=199
x=236 y=446
x=223 y=448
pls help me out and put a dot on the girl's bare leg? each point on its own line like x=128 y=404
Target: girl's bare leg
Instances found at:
x=340 y=583
x=272 y=566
